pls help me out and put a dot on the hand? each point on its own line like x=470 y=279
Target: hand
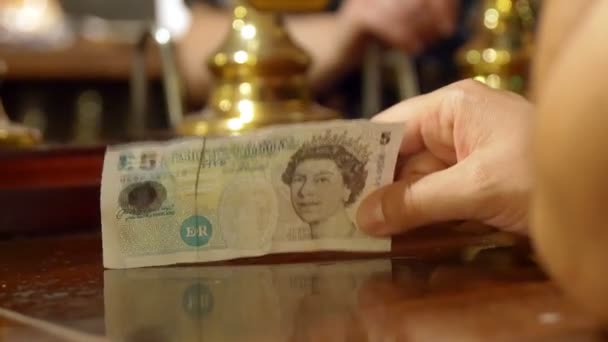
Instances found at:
x=561 y=22
x=406 y=24
x=464 y=156
x=568 y=225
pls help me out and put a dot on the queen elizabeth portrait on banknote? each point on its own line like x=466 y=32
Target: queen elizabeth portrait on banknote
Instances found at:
x=325 y=176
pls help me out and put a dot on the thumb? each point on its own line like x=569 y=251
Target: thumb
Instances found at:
x=441 y=196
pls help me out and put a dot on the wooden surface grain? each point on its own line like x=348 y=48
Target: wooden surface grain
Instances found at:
x=496 y=295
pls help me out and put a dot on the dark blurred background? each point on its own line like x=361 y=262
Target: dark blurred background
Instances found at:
x=71 y=79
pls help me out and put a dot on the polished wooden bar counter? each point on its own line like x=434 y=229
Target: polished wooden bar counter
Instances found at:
x=452 y=282
x=56 y=289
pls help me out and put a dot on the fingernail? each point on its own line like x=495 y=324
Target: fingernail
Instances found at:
x=371 y=218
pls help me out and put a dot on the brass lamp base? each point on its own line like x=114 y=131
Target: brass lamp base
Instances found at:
x=14 y=135
x=260 y=79
x=11 y=136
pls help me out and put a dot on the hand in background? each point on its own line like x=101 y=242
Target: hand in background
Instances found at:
x=337 y=41
x=410 y=25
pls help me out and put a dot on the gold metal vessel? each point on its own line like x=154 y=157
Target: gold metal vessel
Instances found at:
x=500 y=50
x=14 y=135
x=260 y=75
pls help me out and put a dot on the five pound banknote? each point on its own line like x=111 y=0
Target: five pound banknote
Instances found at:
x=293 y=188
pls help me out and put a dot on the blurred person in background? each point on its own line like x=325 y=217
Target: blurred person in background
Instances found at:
x=335 y=39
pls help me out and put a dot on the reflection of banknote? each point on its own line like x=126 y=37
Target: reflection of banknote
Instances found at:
x=285 y=189
x=252 y=303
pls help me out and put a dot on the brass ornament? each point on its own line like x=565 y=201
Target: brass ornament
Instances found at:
x=500 y=51
x=260 y=78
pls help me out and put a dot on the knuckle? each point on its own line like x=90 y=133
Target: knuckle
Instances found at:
x=459 y=91
x=469 y=85
x=463 y=94
x=483 y=182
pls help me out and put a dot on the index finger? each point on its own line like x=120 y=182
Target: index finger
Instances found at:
x=409 y=112
x=428 y=122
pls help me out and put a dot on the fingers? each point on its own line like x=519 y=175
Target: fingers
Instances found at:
x=418 y=166
x=429 y=122
x=416 y=23
x=461 y=159
x=407 y=25
x=441 y=196
x=411 y=112
x=389 y=20
x=449 y=122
